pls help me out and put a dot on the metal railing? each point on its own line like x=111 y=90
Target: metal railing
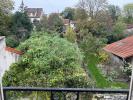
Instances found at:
x=52 y=91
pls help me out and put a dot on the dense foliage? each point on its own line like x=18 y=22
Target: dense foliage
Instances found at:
x=48 y=62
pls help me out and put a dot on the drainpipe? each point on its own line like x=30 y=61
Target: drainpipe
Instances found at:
x=1 y=88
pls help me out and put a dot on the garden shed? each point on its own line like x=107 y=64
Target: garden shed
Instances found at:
x=121 y=51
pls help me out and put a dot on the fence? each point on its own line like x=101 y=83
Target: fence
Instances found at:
x=76 y=92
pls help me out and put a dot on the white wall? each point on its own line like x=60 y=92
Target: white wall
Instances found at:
x=2 y=56
x=6 y=57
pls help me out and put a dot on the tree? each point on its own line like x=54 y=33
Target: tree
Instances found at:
x=90 y=44
x=80 y=14
x=44 y=23
x=4 y=24
x=92 y=6
x=48 y=62
x=114 y=12
x=70 y=35
x=68 y=13
x=117 y=32
x=21 y=25
x=55 y=23
x=128 y=9
x=6 y=6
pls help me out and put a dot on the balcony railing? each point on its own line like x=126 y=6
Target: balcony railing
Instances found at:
x=65 y=93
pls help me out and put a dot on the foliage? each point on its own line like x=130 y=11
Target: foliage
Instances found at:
x=43 y=23
x=127 y=69
x=6 y=6
x=55 y=23
x=92 y=6
x=48 y=61
x=128 y=9
x=70 y=35
x=80 y=14
x=68 y=13
x=119 y=27
x=91 y=44
x=4 y=23
x=103 y=56
x=12 y=41
x=114 y=12
x=20 y=20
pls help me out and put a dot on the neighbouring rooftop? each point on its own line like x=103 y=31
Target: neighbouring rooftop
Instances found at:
x=122 y=48
x=13 y=50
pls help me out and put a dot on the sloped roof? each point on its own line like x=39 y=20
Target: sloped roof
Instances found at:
x=37 y=12
x=122 y=48
x=9 y=49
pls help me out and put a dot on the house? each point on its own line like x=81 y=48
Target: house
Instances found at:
x=70 y=23
x=121 y=51
x=35 y=14
x=8 y=55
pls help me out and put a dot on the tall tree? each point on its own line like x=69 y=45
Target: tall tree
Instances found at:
x=80 y=14
x=128 y=9
x=5 y=8
x=21 y=25
x=6 y=5
x=68 y=13
x=55 y=23
x=4 y=23
x=114 y=12
x=92 y=6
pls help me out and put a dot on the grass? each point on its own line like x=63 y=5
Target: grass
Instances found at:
x=101 y=81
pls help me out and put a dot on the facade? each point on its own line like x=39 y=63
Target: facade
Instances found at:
x=7 y=55
x=70 y=23
x=35 y=14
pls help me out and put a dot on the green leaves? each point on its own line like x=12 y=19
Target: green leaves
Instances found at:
x=49 y=61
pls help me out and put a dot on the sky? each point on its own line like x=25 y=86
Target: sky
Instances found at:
x=50 y=6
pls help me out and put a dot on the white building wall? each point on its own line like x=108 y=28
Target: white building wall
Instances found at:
x=2 y=56
x=6 y=57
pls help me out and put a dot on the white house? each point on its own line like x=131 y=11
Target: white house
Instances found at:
x=8 y=55
x=35 y=14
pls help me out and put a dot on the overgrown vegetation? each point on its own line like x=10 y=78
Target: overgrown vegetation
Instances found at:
x=53 y=61
x=48 y=62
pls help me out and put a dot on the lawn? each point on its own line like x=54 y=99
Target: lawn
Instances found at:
x=101 y=81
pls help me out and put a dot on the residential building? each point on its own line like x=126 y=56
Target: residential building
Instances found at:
x=35 y=14
x=8 y=55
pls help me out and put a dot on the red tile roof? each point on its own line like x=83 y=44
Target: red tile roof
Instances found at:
x=9 y=49
x=122 y=48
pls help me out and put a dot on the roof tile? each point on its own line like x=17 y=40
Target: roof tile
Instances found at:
x=122 y=48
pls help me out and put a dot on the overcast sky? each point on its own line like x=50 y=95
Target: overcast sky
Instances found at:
x=58 y=5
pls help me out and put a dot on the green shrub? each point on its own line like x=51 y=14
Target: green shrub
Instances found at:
x=48 y=61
